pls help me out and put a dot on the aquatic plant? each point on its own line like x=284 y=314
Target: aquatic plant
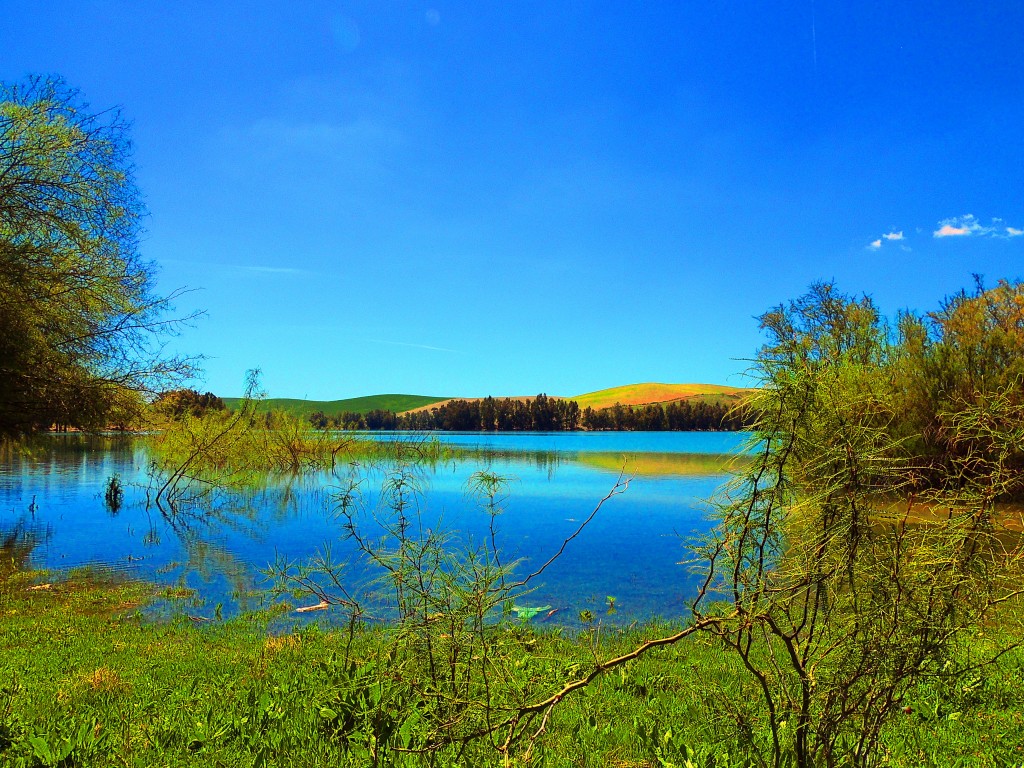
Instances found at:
x=113 y=494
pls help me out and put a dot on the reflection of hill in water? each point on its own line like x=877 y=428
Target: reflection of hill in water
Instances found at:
x=1007 y=519
x=646 y=464
x=672 y=464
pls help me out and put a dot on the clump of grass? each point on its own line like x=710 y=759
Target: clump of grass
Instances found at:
x=178 y=593
x=104 y=680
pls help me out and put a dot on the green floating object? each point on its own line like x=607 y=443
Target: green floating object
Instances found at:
x=528 y=613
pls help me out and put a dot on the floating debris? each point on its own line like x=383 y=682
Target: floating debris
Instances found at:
x=323 y=605
x=528 y=613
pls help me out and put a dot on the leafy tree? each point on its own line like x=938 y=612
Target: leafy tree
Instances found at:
x=855 y=557
x=80 y=323
x=967 y=358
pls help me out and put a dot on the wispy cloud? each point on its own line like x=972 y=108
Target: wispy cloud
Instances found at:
x=410 y=344
x=875 y=244
x=969 y=226
x=348 y=140
x=894 y=235
x=256 y=269
x=273 y=270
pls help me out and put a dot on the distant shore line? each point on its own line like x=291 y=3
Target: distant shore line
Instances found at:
x=545 y=414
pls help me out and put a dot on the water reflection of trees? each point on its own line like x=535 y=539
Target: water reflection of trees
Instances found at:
x=17 y=543
x=206 y=513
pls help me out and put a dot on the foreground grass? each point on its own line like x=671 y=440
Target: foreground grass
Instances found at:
x=86 y=679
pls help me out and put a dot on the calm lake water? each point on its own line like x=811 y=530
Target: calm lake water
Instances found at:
x=52 y=507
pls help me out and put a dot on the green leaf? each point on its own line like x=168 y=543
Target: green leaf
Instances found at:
x=41 y=749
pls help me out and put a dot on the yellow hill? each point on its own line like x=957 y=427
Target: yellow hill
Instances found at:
x=643 y=394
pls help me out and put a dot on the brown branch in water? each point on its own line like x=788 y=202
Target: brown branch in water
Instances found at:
x=621 y=485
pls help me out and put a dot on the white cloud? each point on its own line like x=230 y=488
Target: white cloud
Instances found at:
x=961 y=226
x=969 y=226
x=890 y=236
x=948 y=230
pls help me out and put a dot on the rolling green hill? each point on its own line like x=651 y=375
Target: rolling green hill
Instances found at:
x=366 y=404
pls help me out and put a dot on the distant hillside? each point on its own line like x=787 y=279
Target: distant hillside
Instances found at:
x=632 y=394
x=644 y=394
x=361 y=405
x=629 y=394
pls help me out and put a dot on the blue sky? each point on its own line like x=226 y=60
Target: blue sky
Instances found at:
x=508 y=198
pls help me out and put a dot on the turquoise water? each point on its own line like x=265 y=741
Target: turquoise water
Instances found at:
x=600 y=442
x=52 y=502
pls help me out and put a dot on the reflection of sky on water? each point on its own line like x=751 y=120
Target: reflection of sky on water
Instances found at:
x=605 y=442
x=630 y=550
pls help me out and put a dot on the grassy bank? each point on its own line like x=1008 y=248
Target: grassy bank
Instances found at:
x=87 y=679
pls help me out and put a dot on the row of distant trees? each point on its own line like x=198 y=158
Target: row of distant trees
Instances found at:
x=176 y=403
x=545 y=414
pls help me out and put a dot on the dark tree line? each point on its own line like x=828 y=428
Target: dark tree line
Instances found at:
x=376 y=419
x=545 y=414
x=542 y=414
x=682 y=415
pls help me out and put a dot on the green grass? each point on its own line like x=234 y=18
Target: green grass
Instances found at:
x=303 y=408
x=86 y=679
